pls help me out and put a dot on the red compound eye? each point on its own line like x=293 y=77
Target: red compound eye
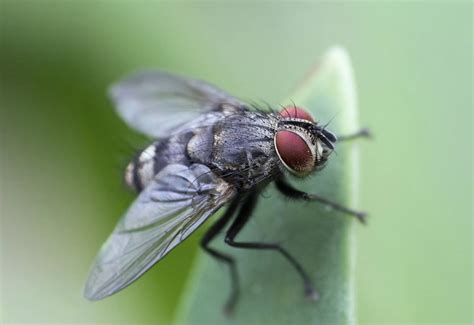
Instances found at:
x=296 y=112
x=294 y=152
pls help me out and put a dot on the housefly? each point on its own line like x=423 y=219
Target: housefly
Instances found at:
x=210 y=150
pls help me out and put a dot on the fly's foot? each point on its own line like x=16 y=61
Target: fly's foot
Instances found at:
x=229 y=308
x=228 y=311
x=361 y=216
x=310 y=292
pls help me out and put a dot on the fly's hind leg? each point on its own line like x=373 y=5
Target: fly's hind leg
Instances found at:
x=215 y=229
x=288 y=190
x=240 y=221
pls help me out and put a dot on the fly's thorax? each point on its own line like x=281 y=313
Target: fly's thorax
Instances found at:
x=239 y=147
x=243 y=140
x=199 y=147
x=300 y=143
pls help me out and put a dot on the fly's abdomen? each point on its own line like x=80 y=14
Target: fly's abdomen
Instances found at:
x=149 y=162
x=140 y=171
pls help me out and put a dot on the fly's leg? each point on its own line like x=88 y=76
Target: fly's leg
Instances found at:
x=362 y=133
x=215 y=229
x=240 y=221
x=288 y=190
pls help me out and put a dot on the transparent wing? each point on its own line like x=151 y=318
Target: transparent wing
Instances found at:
x=167 y=211
x=157 y=102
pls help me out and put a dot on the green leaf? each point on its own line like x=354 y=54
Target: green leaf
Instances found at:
x=271 y=291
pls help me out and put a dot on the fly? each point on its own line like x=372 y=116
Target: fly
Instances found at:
x=210 y=150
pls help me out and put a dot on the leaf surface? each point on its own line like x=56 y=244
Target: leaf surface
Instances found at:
x=321 y=239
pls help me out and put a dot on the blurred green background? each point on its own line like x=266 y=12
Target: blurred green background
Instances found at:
x=63 y=148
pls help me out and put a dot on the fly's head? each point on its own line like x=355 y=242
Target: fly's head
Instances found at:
x=302 y=145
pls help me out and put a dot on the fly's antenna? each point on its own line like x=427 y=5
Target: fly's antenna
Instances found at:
x=325 y=140
x=325 y=136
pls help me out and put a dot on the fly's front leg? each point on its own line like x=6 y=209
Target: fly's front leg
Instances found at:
x=240 y=221
x=362 y=133
x=288 y=190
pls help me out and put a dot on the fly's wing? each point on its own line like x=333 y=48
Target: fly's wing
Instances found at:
x=157 y=103
x=168 y=210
